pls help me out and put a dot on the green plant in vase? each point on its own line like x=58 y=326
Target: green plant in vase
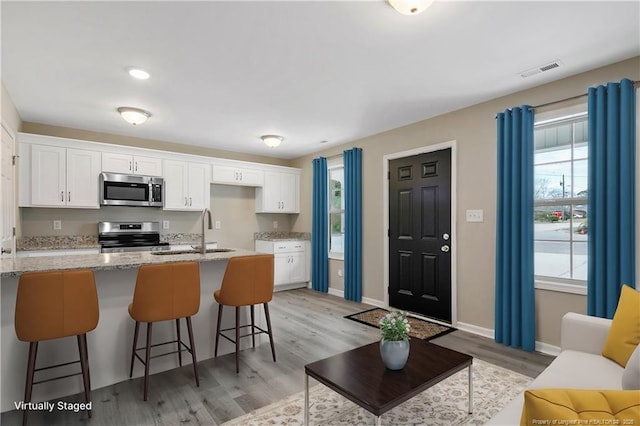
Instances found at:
x=394 y=344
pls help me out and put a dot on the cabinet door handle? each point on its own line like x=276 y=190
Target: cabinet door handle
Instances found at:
x=241 y=176
x=185 y=201
x=130 y=166
x=69 y=196
x=190 y=201
x=136 y=166
x=62 y=196
x=236 y=175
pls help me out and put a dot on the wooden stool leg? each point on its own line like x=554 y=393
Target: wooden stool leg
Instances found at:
x=192 y=344
x=133 y=350
x=237 y=338
x=146 y=361
x=83 y=367
x=179 y=348
x=31 y=368
x=266 y=314
x=215 y=354
x=86 y=350
x=253 y=328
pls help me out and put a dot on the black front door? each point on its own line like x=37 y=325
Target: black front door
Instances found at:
x=420 y=234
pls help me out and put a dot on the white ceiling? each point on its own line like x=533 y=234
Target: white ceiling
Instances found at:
x=224 y=73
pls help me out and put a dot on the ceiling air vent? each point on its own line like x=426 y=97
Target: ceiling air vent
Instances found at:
x=540 y=69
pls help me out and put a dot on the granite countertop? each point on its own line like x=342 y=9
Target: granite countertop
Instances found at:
x=281 y=236
x=69 y=242
x=13 y=267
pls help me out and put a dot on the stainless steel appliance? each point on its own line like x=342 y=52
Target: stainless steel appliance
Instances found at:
x=130 y=190
x=117 y=237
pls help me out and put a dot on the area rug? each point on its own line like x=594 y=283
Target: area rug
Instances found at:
x=420 y=329
x=443 y=404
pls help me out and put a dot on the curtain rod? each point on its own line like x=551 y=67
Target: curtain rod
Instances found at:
x=635 y=85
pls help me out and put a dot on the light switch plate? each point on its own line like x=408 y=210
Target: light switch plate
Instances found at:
x=218 y=224
x=57 y=225
x=165 y=224
x=475 y=215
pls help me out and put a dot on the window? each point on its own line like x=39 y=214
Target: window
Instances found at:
x=336 y=210
x=560 y=200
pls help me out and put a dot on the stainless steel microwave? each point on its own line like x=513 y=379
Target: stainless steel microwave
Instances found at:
x=130 y=190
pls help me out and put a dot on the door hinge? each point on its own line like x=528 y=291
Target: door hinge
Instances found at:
x=14 y=160
x=388 y=175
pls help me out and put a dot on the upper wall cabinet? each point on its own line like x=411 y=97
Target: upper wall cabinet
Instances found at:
x=280 y=193
x=186 y=185
x=62 y=177
x=232 y=175
x=132 y=164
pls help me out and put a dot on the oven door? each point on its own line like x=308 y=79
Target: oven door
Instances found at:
x=124 y=190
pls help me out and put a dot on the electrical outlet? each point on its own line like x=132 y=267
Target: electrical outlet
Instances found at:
x=218 y=224
x=275 y=224
x=165 y=224
x=57 y=225
x=475 y=215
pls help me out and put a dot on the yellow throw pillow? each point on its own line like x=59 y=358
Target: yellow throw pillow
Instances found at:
x=624 y=334
x=580 y=407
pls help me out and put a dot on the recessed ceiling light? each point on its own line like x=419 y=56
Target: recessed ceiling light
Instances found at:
x=324 y=141
x=134 y=116
x=138 y=73
x=410 y=7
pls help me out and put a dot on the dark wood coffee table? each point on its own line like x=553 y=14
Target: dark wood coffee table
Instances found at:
x=360 y=376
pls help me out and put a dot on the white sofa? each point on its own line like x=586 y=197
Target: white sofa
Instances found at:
x=580 y=364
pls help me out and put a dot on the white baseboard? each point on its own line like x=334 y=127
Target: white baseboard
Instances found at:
x=474 y=329
x=545 y=348
x=367 y=300
x=335 y=292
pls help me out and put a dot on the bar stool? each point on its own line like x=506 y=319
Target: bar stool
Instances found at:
x=164 y=292
x=248 y=281
x=53 y=305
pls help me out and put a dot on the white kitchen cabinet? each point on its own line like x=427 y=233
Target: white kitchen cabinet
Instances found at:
x=290 y=262
x=231 y=175
x=64 y=177
x=280 y=193
x=186 y=185
x=131 y=164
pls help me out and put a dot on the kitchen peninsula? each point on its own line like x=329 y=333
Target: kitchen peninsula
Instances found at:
x=110 y=343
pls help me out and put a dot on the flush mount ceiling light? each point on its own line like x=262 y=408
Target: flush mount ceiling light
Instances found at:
x=138 y=73
x=410 y=7
x=134 y=116
x=271 y=140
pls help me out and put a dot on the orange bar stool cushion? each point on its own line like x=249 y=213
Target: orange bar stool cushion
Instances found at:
x=248 y=280
x=166 y=291
x=51 y=305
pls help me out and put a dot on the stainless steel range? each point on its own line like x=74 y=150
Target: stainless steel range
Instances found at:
x=118 y=237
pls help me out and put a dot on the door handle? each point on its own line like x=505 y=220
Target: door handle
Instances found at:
x=69 y=196
x=445 y=236
x=444 y=248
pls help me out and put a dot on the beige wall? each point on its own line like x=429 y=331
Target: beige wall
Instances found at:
x=474 y=129
x=10 y=117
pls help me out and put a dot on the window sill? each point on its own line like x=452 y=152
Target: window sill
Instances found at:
x=561 y=287
x=336 y=256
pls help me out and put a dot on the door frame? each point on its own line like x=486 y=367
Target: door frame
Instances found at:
x=454 y=234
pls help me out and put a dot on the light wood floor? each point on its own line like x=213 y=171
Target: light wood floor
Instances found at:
x=307 y=326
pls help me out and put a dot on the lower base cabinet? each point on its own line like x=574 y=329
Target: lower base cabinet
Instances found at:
x=290 y=262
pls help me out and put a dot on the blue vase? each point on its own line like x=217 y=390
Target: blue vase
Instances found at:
x=394 y=353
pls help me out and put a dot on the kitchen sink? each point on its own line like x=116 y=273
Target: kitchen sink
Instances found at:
x=193 y=251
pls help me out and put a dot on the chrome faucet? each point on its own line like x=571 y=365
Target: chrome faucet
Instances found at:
x=203 y=246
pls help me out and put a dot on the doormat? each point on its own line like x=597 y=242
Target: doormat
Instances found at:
x=420 y=328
